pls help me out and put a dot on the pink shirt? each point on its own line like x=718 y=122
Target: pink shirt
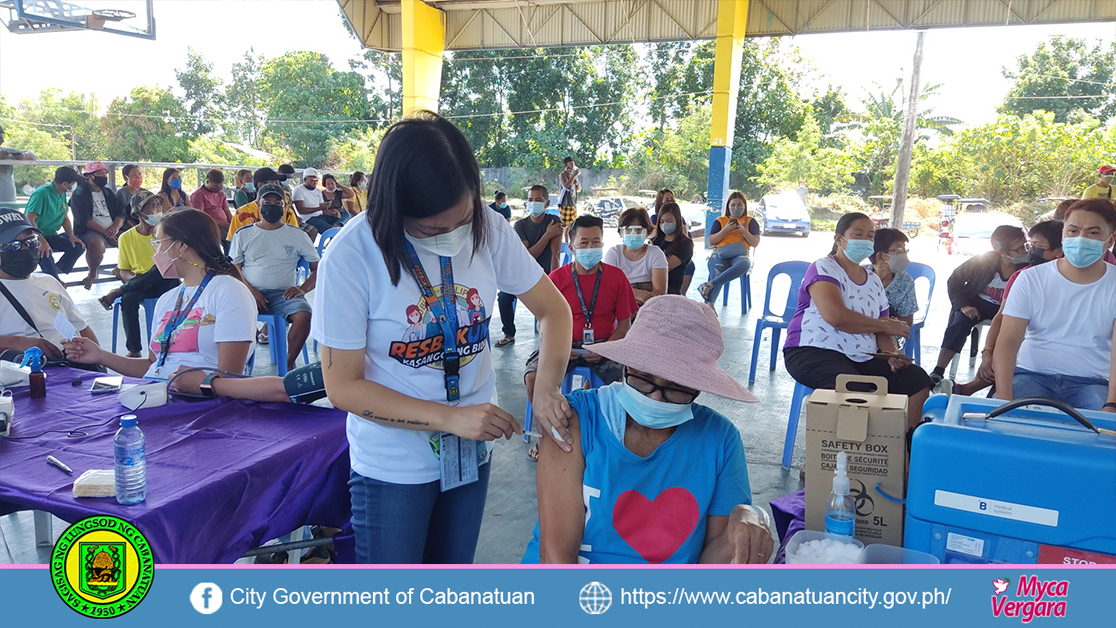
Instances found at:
x=213 y=203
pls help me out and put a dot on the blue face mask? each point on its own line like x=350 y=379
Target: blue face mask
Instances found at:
x=634 y=242
x=1082 y=252
x=251 y=187
x=503 y=205
x=151 y=219
x=175 y=184
x=858 y=250
x=588 y=258
x=656 y=415
x=536 y=208
x=668 y=227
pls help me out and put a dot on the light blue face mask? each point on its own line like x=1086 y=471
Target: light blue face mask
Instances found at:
x=251 y=187
x=536 y=208
x=151 y=219
x=858 y=250
x=588 y=258
x=1082 y=252
x=668 y=227
x=503 y=205
x=634 y=242
x=656 y=415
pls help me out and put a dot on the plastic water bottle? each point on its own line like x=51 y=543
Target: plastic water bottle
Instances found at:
x=840 y=510
x=131 y=462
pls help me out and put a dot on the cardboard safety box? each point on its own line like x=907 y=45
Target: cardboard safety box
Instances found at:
x=870 y=428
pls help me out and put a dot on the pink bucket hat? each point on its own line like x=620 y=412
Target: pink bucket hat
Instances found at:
x=678 y=340
x=94 y=166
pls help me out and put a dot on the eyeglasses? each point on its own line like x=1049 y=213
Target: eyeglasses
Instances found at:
x=157 y=243
x=894 y=252
x=632 y=231
x=670 y=394
x=29 y=243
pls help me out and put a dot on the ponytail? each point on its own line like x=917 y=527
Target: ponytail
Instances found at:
x=198 y=231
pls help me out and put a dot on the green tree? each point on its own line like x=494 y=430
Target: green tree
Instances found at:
x=244 y=100
x=309 y=104
x=45 y=142
x=73 y=112
x=211 y=150
x=675 y=158
x=824 y=169
x=146 y=126
x=203 y=94
x=1064 y=75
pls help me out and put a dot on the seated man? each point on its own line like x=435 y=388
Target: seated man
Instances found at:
x=98 y=217
x=311 y=205
x=976 y=290
x=46 y=211
x=600 y=298
x=136 y=268
x=30 y=301
x=645 y=439
x=1056 y=337
x=267 y=254
x=250 y=212
x=210 y=198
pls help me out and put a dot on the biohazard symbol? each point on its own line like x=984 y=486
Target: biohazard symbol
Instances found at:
x=864 y=502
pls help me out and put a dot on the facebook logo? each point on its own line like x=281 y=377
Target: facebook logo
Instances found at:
x=206 y=598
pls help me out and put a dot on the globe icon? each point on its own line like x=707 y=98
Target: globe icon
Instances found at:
x=595 y=598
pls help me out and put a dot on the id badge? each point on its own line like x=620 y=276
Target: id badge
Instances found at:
x=587 y=336
x=459 y=460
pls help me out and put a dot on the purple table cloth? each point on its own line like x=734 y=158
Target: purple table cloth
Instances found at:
x=223 y=475
x=789 y=512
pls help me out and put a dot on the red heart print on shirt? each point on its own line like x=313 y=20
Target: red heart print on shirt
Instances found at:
x=656 y=529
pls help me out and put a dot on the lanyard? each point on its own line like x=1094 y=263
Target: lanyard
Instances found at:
x=179 y=316
x=445 y=312
x=587 y=311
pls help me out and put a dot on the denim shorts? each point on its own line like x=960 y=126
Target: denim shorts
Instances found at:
x=278 y=306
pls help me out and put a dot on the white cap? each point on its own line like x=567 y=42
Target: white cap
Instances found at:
x=840 y=474
x=310 y=172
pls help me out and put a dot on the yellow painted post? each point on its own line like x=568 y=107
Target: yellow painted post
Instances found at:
x=732 y=22
x=424 y=36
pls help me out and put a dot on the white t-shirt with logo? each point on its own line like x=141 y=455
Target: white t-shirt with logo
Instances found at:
x=43 y=298
x=269 y=259
x=100 y=209
x=310 y=198
x=1069 y=329
x=225 y=312
x=638 y=271
x=359 y=309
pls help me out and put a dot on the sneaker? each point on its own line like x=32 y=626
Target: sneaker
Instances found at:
x=944 y=386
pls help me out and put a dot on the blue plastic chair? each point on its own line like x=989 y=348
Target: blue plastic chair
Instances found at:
x=566 y=254
x=800 y=394
x=567 y=388
x=746 y=290
x=913 y=346
x=149 y=311
x=515 y=306
x=777 y=322
x=324 y=238
x=277 y=341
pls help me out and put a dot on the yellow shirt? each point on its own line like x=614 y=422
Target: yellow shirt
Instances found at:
x=1096 y=191
x=250 y=213
x=135 y=252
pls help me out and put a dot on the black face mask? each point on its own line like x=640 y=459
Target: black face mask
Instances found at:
x=19 y=264
x=271 y=213
x=100 y=181
x=1035 y=257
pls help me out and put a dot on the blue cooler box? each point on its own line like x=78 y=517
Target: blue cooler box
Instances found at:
x=1031 y=485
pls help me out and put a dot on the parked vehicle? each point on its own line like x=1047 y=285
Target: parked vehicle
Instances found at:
x=784 y=213
x=966 y=224
x=881 y=215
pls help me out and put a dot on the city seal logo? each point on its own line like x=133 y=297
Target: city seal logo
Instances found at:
x=102 y=567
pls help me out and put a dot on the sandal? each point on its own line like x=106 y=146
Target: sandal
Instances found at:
x=261 y=335
x=533 y=453
x=107 y=304
x=505 y=341
x=704 y=290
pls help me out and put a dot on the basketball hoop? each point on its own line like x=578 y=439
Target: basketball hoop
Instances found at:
x=96 y=20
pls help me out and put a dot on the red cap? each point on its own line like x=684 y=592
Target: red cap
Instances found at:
x=1107 y=169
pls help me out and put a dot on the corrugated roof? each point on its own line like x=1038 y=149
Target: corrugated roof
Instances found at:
x=490 y=24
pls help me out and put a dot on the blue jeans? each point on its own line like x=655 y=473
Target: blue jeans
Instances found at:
x=398 y=524
x=724 y=270
x=1083 y=393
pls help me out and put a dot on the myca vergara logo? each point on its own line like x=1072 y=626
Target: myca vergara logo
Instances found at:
x=102 y=567
x=1034 y=598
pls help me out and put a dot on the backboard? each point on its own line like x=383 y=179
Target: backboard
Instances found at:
x=133 y=18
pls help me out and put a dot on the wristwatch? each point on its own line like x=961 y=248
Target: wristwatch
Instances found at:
x=207 y=385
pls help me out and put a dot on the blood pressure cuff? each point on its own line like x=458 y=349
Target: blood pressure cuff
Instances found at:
x=305 y=384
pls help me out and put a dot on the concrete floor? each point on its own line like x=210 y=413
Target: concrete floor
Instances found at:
x=511 y=510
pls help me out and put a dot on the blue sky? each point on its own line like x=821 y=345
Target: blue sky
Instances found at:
x=967 y=62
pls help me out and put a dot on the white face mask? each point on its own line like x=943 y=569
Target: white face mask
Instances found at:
x=444 y=244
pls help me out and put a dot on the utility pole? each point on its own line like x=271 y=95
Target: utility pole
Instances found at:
x=73 y=145
x=906 y=142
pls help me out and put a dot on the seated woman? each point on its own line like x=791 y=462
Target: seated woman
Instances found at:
x=734 y=235
x=662 y=197
x=889 y=263
x=646 y=267
x=843 y=319
x=644 y=439
x=210 y=321
x=671 y=237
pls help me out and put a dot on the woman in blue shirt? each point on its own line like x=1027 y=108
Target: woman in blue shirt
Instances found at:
x=653 y=477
